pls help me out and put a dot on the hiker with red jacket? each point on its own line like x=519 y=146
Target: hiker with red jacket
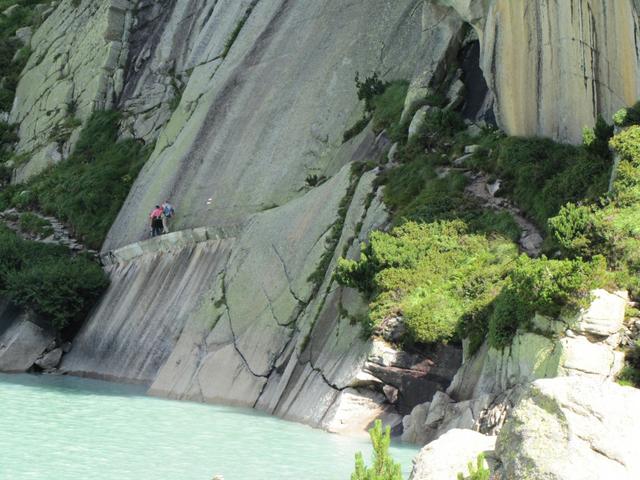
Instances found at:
x=155 y=217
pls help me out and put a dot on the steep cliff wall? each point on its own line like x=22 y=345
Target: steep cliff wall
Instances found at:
x=256 y=116
x=552 y=65
x=245 y=100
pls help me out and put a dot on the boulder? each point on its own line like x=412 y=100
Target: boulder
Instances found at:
x=418 y=120
x=572 y=428
x=21 y=345
x=24 y=35
x=50 y=360
x=605 y=315
x=444 y=458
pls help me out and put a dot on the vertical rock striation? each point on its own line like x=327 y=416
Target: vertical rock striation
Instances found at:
x=553 y=66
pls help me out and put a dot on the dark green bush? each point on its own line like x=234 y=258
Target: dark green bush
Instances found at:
x=356 y=129
x=387 y=109
x=596 y=140
x=48 y=279
x=368 y=89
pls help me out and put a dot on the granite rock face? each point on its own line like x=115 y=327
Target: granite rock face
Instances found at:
x=77 y=67
x=489 y=382
x=572 y=428
x=565 y=428
x=554 y=66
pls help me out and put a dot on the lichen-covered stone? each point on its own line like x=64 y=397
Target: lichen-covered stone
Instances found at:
x=572 y=428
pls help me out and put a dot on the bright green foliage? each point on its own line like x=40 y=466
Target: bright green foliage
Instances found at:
x=580 y=231
x=384 y=468
x=87 y=190
x=33 y=224
x=541 y=175
x=48 y=279
x=610 y=227
x=433 y=274
x=627 y=116
x=477 y=472
x=543 y=286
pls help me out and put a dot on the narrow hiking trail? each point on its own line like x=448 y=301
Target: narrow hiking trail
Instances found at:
x=484 y=190
x=60 y=233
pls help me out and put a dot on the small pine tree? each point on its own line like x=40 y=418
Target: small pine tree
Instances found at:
x=479 y=472
x=384 y=468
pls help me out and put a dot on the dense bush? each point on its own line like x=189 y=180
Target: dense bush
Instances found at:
x=87 y=190
x=627 y=116
x=432 y=274
x=48 y=280
x=384 y=467
x=596 y=139
x=543 y=286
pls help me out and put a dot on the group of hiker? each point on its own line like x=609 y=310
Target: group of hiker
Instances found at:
x=160 y=217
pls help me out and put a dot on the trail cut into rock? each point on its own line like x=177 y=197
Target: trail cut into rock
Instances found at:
x=60 y=233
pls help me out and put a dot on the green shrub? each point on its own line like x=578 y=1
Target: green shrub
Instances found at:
x=541 y=176
x=384 y=467
x=87 y=190
x=356 y=129
x=627 y=116
x=477 y=472
x=580 y=231
x=542 y=286
x=435 y=275
x=368 y=89
x=48 y=279
x=596 y=140
x=387 y=109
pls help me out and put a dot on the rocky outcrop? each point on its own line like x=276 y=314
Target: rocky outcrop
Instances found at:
x=23 y=339
x=486 y=386
x=77 y=67
x=554 y=66
x=567 y=428
x=448 y=456
x=572 y=428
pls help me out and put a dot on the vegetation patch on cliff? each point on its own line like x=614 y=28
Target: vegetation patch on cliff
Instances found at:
x=87 y=190
x=48 y=280
x=450 y=266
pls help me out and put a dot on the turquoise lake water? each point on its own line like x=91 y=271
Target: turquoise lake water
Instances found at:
x=65 y=428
